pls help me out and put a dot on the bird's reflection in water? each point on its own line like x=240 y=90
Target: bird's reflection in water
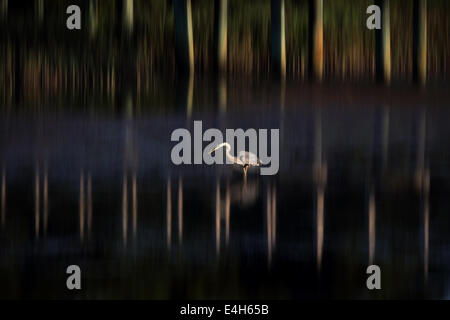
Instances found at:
x=244 y=193
x=240 y=193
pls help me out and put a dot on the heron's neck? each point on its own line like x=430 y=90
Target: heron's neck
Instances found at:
x=228 y=152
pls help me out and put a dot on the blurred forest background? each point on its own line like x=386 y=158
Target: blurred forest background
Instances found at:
x=50 y=58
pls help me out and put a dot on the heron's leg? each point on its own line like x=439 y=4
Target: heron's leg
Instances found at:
x=245 y=173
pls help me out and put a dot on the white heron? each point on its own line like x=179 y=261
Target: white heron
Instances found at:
x=245 y=159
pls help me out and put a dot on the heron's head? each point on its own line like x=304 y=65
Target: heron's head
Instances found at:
x=214 y=149
x=223 y=144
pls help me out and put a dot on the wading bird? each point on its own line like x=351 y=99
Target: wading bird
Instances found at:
x=244 y=158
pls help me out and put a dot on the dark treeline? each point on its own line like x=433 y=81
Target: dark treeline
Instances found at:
x=133 y=42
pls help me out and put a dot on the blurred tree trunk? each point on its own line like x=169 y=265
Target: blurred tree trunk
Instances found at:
x=383 y=45
x=39 y=11
x=3 y=10
x=184 y=44
x=278 y=38
x=128 y=16
x=18 y=71
x=316 y=39
x=125 y=59
x=184 y=92
x=125 y=18
x=220 y=34
x=420 y=41
x=93 y=18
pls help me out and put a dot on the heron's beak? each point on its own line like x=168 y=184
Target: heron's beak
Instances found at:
x=212 y=150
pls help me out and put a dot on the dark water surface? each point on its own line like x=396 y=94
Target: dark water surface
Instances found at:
x=364 y=178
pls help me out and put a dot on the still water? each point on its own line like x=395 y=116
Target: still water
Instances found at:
x=364 y=179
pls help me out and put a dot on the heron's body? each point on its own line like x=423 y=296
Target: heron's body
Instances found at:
x=245 y=159
x=248 y=158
